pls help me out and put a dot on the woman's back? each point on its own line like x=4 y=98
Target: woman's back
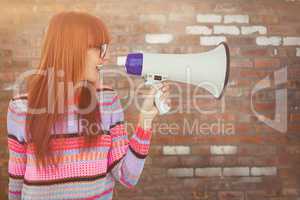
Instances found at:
x=82 y=172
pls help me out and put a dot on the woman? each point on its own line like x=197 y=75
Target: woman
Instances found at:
x=55 y=151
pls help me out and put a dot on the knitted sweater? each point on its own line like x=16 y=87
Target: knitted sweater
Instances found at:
x=82 y=173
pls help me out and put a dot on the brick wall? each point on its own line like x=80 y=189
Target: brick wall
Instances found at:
x=229 y=154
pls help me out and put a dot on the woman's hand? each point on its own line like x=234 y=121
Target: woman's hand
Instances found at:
x=148 y=108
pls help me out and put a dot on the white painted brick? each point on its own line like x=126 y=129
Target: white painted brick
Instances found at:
x=121 y=60
x=291 y=41
x=10 y=87
x=236 y=19
x=236 y=171
x=208 y=171
x=223 y=149
x=175 y=17
x=176 y=150
x=152 y=17
x=158 y=38
x=263 y=171
x=231 y=30
x=266 y=41
x=211 y=40
x=247 y=30
x=209 y=18
x=198 y=30
x=181 y=172
x=298 y=52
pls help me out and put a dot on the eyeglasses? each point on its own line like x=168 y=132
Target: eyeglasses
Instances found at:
x=103 y=50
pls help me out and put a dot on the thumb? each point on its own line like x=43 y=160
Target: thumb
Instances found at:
x=151 y=91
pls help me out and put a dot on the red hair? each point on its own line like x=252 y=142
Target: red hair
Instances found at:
x=69 y=36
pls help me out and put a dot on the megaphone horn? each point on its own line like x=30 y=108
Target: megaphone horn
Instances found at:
x=209 y=70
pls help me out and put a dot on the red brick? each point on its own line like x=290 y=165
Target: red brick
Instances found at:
x=221 y=116
x=257 y=161
x=253 y=74
x=256 y=150
x=242 y=128
x=293 y=73
x=264 y=106
x=166 y=161
x=260 y=194
x=255 y=52
x=285 y=30
x=294 y=127
x=290 y=18
x=223 y=160
x=231 y=195
x=283 y=159
x=241 y=62
x=149 y=27
x=291 y=191
x=155 y=150
x=293 y=149
x=286 y=172
x=234 y=51
x=201 y=150
x=270 y=63
x=193 y=161
x=241 y=82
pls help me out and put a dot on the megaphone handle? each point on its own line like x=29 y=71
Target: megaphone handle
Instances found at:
x=162 y=107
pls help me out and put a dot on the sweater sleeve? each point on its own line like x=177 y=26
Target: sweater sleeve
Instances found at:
x=126 y=157
x=16 y=147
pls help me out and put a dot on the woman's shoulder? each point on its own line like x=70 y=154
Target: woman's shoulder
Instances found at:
x=107 y=94
x=18 y=103
x=16 y=116
x=105 y=88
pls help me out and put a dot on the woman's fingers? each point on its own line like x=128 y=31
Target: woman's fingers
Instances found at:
x=165 y=96
x=164 y=87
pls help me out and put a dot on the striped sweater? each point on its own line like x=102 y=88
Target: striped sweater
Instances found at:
x=82 y=173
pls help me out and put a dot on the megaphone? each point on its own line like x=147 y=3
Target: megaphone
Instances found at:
x=208 y=70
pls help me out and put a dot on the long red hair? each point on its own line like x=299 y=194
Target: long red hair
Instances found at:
x=63 y=57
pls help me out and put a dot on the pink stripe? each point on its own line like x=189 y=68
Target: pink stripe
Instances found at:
x=143 y=134
x=78 y=169
x=15 y=192
x=118 y=130
x=15 y=146
x=75 y=143
x=116 y=154
x=139 y=148
x=17 y=170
